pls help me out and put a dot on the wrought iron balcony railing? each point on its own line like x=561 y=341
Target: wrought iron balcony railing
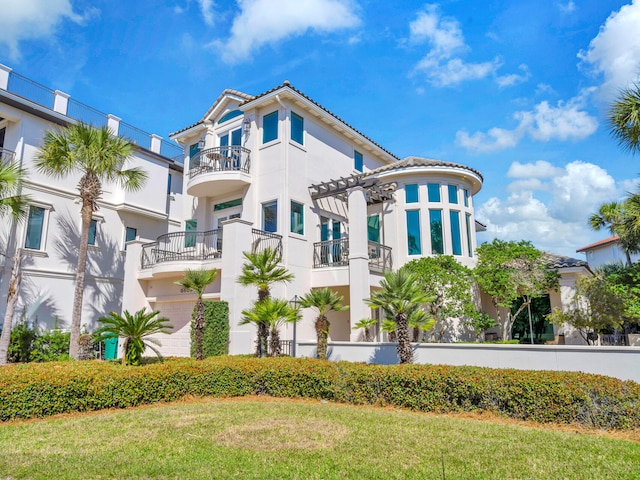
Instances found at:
x=335 y=253
x=262 y=240
x=220 y=159
x=181 y=246
x=7 y=156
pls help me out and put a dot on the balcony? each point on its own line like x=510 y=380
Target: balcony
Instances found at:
x=179 y=247
x=7 y=156
x=335 y=253
x=219 y=170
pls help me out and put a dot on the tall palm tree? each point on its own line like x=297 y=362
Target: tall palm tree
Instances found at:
x=274 y=312
x=196 y=281
x=98 y=157
x=324 y=300
x=134 y=329
x=262 y=269
x=624 y=119
x=14 y=204
x=401 y=297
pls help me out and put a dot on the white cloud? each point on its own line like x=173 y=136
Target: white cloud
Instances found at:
x=565 y=121
x=514 y=78
x=552 y=209
x=568 y=7
x=206 y=8
x=615 y=51
x=260 y=23
x=442 y=65
x=32 y=20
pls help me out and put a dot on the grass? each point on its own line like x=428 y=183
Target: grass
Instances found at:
x=284 y=439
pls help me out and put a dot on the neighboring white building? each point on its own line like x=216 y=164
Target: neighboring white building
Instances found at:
x=606 y=251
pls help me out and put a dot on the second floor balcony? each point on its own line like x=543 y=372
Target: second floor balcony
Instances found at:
x=335 y=253
x=7 y=156
x=219 y=169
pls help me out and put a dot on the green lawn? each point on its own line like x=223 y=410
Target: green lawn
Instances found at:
x=274 y=439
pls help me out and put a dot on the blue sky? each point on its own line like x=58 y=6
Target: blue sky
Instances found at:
x=516 y=89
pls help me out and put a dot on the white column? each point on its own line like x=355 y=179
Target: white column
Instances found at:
x=156 y=142
x=359 y=288
x=134 y=297
x=236 y=239
x=4 y=77
x=61 y=102
x=113 y=124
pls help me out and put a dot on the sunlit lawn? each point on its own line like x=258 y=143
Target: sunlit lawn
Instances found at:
x=268 y=438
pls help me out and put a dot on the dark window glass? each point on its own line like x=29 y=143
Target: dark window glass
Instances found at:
x=35 y=225
x=453 y=193
x=373 y=228
x=93 y=231
x=435 y=222
x=358 y=161
x=270 y=127
x=469 y=242
x=297 y=218
x=270 y=216
x=434 y=192
x=413 y=232
x=297 y=128
x=456 y=243
x=411 y=193
x=190 y=226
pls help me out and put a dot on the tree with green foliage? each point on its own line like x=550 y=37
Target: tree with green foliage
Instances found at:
x=390 y=326
x=275 y=312
x=481 y=323
x=595 y=307
x=135 y=330
x=262 y=269
x=624 y=281
x=98 y=157
x=401 y=297
x=323 y=300
x=624 y=119
x=508 y=271
x=12 y=203
x=450 y=286
x=196 y=281
x=365 y=324
x=215 y=337
x=617 y=217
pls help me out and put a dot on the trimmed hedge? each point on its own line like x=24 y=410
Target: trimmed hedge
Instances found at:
x=215 y=340
x=39 y=390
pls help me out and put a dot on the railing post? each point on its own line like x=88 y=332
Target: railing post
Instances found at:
x=5 y=72
x=61 y=102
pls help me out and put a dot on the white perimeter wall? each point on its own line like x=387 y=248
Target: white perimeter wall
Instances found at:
x=618 y=362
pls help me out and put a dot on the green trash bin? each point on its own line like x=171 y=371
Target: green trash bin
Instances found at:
x=111 y=348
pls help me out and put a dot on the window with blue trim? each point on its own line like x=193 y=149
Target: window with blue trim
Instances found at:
x=453 y=193
x=358 y=161
x=297 y=218
x=435 y=224
x=456 y=243
x=411 y=193
x=270 y=127
x=433 y=190
x=413 y=232
x=93 y=231
x=297 y=128
x=190 y=237
x=270 y=216
x=229 y=115
x=35 y=228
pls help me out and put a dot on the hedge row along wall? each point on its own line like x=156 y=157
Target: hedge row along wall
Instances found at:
x=215 y=340
x=39 y=390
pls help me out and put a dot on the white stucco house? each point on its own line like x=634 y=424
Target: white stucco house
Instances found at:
x=606 y=251
x=276 y=169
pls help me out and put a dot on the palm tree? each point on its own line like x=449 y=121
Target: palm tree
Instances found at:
x=14 y=204
x=134 y=329
x=262 y=270
x=420 y=321
x=98 y=157
x=274 y=312
x=621 y=219
x=365 y=324
x=624 y=119
x=196 y=281
x=324 y=300
x=400 y=297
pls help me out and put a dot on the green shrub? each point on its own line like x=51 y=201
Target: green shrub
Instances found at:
x=216 y=329
x=21 y=342
x=50 y=346
x=39 y=390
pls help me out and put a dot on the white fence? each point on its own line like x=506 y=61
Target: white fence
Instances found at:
x=618 y=362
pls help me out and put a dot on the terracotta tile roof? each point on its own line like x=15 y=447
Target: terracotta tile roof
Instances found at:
x=560 y=261
x=600 y=243
x=420 y=162
x=287 y=85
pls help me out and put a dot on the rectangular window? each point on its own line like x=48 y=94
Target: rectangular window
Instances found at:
x=297 y=128
x=297 y=218
x=373 y=228
x=35 y=228
x=453 y=193
x=169 y=185
x=434 y=192
x=435 y=223
x=466 y=197
x=231 y=203
x=456 y=243
x=270 y=127
x=411 y=193
x=270 y=216
x=413 y=232
x=190 y=238
x=469 y=242
x=130 y=234
x=358 y=161
x=93 y=231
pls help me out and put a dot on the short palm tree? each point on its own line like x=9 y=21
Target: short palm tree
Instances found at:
x=624 y=119
x=420 y=321
x=324 y=300
x=614 y=216
x=401 y=296
x=135 y=329
x=196 y=281
x=365 y=324
x=14 y=204
x=274 y=312
x=98 y=157
x=262 y=269
x=390 y=327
